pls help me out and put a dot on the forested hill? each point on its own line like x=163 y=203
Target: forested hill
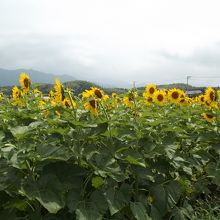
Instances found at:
x=78 y=86
x=10 y=77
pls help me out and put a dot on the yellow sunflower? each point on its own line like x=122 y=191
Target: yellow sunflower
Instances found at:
x=218 y=92
x=1 y=96
x=91 y=106
x=25 y=82
x=67 y=103
x=210 y=95
x=87 y=94
x=150 y=89
x=129 y=99
x=51 y=94
x=115 y=97
x=98 y=93
x=201 y=99
x=41 y=104
x=160 y=97
x=16 y=93
x=185 y=101
x=148 y=100
x=58 y=94
x=211 y=105
x=37 y=93
x=128 y=102
x=175 y=95
x=208 y=117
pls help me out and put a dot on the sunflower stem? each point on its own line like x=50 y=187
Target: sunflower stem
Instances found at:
x=71 y=101
x=108 y=118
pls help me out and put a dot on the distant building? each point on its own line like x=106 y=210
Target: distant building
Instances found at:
x=192 y=93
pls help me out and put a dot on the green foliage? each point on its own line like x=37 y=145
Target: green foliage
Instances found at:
x=119 y=165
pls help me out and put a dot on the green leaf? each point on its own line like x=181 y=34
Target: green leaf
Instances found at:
x=160 y=198
x=8 y=215
x=98 y=201
x=139 y=211
x=97 y=182
x=214 y=171
x=99 y=129
x=19 y=130
x=118 y=199
x=174 y=191
x=2 y=135
x=48 y=191
x=135 y=158
x=178 y=214
x=73 y=200
x=87 y=213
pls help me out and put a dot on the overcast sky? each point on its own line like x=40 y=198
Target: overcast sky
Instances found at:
x=114 y=41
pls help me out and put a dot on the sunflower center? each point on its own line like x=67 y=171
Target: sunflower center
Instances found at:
x=209 y=116
x=131 y=97
x=175 y=95
x=151 y=90
x=26 y=83
x=212 y=96
x=67 y=104
x=150 y=99
x=98 y=93
x=160 y=97
x=92 y=103
x=202 y=99
x=182 y=100
x=207 y=103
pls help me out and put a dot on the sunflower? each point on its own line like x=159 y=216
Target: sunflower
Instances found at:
x=218 y=93
x=129 y=99
x=208 y=117
x=148 y=100
x=128 y=102
x=51 y=94
x=16 y=93
x=87 y=94
x=25 y=82
x=116 y=98
x=58 y=94
x=201 y=99
x=37 y=93
x=98 y=93
x=67 y=103
x=114 y=95
x=1 y=96
x=185 y=101
x=175 y=95
x=210 y=95
x=160 y=97
x=41 y=104
x=150 y=89
x=91 y=106
x=211 y=105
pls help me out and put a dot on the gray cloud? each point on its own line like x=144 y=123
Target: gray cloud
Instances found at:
x=84 y=58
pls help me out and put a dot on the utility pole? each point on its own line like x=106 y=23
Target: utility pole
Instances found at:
x=134 y=86
x=187 y=82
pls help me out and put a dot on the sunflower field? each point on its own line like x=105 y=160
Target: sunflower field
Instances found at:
x=96 y=156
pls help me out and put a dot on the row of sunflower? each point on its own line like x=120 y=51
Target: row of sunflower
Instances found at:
x=152 y=95
x=95 y=100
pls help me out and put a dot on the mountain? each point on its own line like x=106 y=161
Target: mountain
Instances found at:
x=11 y=77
